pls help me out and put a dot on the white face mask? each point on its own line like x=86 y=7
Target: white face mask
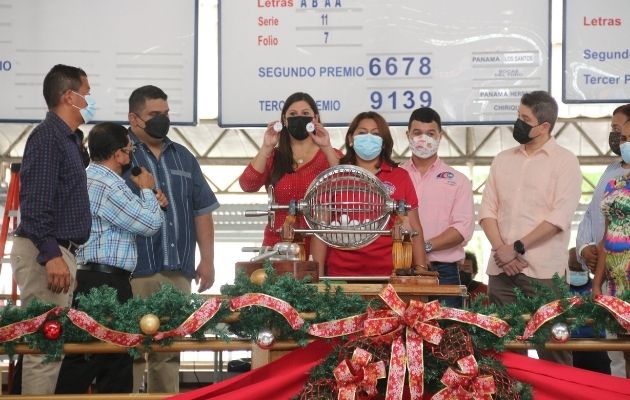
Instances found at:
x=423 y=146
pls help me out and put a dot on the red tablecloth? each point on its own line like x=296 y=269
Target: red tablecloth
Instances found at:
x=284 y=378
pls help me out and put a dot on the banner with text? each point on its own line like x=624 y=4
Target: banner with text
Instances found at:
x=596 y=51
x=120 y=44
x=471 y=61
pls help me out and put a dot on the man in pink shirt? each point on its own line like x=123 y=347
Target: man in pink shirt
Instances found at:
x=445 y=199
x=528 y=203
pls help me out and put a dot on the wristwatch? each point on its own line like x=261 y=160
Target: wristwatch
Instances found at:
x=519 y=247
x=428 y=246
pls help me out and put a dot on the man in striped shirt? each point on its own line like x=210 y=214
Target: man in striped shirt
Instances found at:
x=109 y=256
x=169 y=256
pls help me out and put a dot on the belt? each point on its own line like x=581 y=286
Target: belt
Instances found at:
x=68 y=245
x=445 y=262
x=104 y=268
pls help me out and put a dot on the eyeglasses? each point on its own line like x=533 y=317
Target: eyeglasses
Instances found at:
x=128 y=150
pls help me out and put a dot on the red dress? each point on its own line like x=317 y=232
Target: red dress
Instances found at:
x=290 y=186
x=374 y=259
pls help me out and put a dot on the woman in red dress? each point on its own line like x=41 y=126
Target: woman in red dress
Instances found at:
x=289 y=160
x=369 y=145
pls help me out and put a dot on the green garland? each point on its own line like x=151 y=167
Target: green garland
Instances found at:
x=174 y=307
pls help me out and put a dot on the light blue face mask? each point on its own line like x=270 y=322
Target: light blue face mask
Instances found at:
x=578 y=278
x=625 y=152
x=368 y=146
x=90 y=109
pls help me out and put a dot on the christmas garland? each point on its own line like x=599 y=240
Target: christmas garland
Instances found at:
x=448 y=351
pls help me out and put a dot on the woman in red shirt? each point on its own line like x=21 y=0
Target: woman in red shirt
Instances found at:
x=369 y=145
x=290 y=160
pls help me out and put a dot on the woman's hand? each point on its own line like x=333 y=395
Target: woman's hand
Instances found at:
x=271 y=137
x=320 y=135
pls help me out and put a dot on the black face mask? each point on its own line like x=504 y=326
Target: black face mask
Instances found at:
x=157 y=126
x=521 y=131
x=297 y=126
x=613 y=142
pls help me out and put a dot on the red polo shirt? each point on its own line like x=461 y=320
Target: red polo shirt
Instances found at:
x=374 y=259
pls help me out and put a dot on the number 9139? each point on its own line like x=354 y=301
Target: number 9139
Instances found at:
x=400 y=99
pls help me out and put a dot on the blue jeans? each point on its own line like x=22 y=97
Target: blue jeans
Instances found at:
x=448 y=274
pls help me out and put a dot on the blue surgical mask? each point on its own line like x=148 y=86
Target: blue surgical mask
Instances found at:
x=578 y=278
x=625 y=152
x=90 y=109
x=368 y=146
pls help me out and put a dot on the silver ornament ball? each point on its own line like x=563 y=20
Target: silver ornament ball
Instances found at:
x=560 y=332
x=265 y=339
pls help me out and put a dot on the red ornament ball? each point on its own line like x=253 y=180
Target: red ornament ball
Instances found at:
x=52 y=329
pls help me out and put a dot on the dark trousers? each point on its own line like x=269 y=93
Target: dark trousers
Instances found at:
x=501 y=291
x=448 y=274
x=113 y=372
x=596 y=361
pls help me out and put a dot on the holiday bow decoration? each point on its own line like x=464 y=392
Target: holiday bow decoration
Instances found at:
x=17 y=330
x=280 y=306
x=466 y=383
x=546 y=313
x=617 y=307
x=416 y=319
x=358 y=374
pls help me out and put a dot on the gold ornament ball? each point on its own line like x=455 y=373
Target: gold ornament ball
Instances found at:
x=149 y=324
x=258 y=277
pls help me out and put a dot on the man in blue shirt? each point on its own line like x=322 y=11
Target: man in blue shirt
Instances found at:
x=591 y=228
x=169 y=256
x=109 y=256
x=55 y=211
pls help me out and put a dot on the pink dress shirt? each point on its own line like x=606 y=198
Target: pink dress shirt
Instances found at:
x=445 y=201
x=524 y=190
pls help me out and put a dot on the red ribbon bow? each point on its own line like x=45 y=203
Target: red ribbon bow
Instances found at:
x=416 y=319
x=358 y=374
x=466 y=383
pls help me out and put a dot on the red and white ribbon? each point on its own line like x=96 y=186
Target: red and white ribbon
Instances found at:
x=280 y=306
x=546 y=313
x=101 y=332
x=358 y=374
x=18 y=329
x=466 y=383
x=617 y=307
x=195 y=321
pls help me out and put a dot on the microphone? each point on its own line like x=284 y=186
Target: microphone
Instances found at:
x=135 y=171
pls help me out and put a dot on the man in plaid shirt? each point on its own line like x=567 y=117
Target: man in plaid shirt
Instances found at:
x=110 y=254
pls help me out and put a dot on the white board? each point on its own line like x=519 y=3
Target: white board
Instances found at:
x=596 y=51
x=120 y=44
x=470 y=60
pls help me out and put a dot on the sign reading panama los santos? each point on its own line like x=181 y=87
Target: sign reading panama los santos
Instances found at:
x=471 y=61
